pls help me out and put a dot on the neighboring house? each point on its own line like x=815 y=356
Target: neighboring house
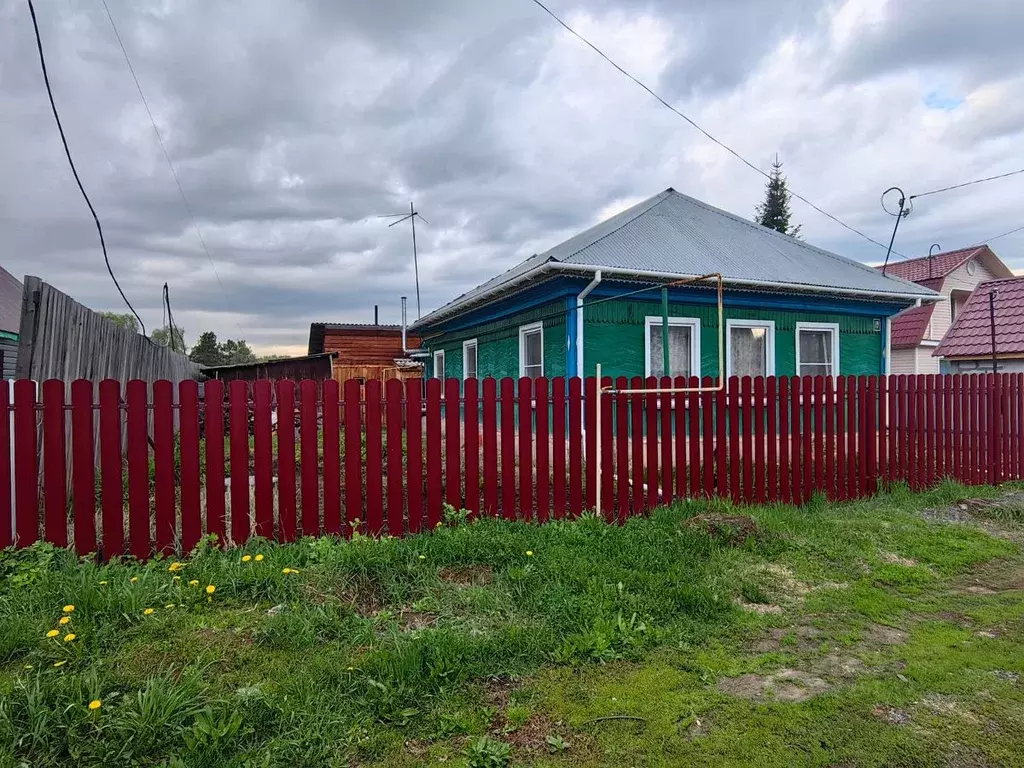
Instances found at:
x=790 y=308
x=10 y=321
x=366 y=351
x=967 y=345
x=315 y=367
x=954 y=274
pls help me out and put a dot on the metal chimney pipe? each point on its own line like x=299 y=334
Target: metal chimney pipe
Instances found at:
x=404 y=300
x=376 y=321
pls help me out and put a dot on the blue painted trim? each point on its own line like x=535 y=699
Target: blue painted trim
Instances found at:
x=545 y=293
x=571 y=340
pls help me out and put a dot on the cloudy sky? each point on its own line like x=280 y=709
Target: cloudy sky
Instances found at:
x=293 y=125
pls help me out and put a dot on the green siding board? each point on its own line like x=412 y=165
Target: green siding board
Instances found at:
x=498 y=344
x=614 y=336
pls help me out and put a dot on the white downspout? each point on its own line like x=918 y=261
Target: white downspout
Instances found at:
x=579 y=320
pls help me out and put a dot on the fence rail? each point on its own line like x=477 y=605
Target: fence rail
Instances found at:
x=288 y=459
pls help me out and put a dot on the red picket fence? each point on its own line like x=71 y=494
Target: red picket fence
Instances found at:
x=284 y=460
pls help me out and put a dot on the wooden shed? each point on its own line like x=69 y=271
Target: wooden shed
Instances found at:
x=316 y=367
x=365 y=351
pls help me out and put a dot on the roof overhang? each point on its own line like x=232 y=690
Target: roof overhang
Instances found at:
x=552 y=268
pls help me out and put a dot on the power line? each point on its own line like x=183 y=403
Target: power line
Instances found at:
x=1004 y=234
x=167 y=156
x=969 y=183
x=724 y=146
x=71 y=162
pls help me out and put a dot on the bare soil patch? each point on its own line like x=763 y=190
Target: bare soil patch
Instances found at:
x=891 y=715
x=791 y=685
x=467 y=576
x=729 y=529
x=799 y=638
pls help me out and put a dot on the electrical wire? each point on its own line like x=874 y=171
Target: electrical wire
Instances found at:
x=167 y=155
x=71 y=162
x=172 y=329
x=968 y=183
x=722 y=144
x=1004 y=234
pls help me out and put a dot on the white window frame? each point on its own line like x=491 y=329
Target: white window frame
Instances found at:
x=693 y=323
x=834 y=327
x=768 y=325
x=476 y=354
x=439 y=353
x=523 y=331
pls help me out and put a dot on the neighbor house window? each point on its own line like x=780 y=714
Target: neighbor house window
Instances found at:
x=531 y=350
x=469 y=359
x=439 y=364
x=683 y=347
x=750 y=348
x=817 y=349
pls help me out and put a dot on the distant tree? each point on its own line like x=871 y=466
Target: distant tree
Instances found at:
x=162 y=336
x=207 y=351
x=774 y=212
x=236 y=352
x=124 y=320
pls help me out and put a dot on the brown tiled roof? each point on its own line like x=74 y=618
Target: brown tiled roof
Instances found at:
x=918 y=270
x=971 y=332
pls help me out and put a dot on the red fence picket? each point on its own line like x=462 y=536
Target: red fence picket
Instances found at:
x=352 y=392
x=525 y=399
x=622 y=450
x=828 y=414
x=772 y=436
x=735 y=490
x=111 y=483
x=414 y=452
x=807 y=435
x=796 y=443
x=558 y=437
x=286 y=458
x=452 y=443
x=213 y=431
x=543 y=449
x=636 y=420
x=83 y=466
x=575 y=435
x=590 y=440
x=607 y=489
x=653 y=494
x=694 y=437
x=393 y=421
x=138 y=469
x=472 y=444
x=434 y=452
x=55 y=492
x=263 y=459
x=163 y=463
x=308 y=455
x=785 y=489
x=331 y=438
x=508 y=449
x=374 y=459
x=238 y=396
x=491 y=451
x=747 y=441
x=760 y=494
x=188 y=440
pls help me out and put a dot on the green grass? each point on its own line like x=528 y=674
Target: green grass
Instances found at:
x=460 y=646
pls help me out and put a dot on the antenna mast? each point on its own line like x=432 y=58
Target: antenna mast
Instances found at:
x=411 y=217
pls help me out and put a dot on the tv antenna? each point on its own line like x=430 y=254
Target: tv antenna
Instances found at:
x=411 y=217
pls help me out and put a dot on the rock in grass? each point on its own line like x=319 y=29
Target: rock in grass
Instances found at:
x=276 y=609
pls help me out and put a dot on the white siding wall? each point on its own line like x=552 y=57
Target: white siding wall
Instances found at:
x=985 y=366
x=925 y=362
x=958 y=280
x=902 y=361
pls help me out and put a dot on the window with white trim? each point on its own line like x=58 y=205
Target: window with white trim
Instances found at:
x=531 y=350
x=683 y=346
x=817 y=349
x=750 y=348
x=439 y=364
x=469 y=359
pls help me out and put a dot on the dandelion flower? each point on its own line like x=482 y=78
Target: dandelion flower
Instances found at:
x=148 y=612
x=210 y=589
x=69 y=637
x=439 y=524
x=103 y=583
x=246 y=558
x=64 y=620
x=28 y=666
x=529 y=553
x=423 y=557
x=169 y=605
x=259 y=558
x=175 y=566
x=351 y=669
x=95 y=704
x=194 y=583
x=133 y=579
x=52 y=633
x=60 y=663
x=69 y=608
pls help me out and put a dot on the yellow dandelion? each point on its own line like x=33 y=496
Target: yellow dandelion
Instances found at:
x=69 y=608
x=259 y=558
x=69 y=637
x=103 y=583
x=210 y=589
x=351 y=669
x=64 y=620
x=439 y=524
x=95 y=704
x=52 y=633
x=176 y=566
x=194 y=583
x=148 y=612
x=246 y=558
x=28 y=666
x=169 y=605
x=133 y=579
x=423 y=557
x=529 y=553
x=286 y=570
x=60 y=663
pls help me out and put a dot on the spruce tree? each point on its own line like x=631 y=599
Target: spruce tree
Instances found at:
x=774 y=212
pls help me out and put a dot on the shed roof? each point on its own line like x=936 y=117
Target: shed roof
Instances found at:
x=317 y=331
x=673 y=235
x=970 y=335
x=10 y=302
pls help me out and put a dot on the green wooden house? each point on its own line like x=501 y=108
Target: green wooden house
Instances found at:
x=789 y=307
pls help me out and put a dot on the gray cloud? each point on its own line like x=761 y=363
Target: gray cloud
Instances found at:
x=293 y=126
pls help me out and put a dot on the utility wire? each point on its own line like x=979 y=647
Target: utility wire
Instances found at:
x=724 y=146
x=968 y=183
x=167 y=156
x=1004 y=234
x=71 y=162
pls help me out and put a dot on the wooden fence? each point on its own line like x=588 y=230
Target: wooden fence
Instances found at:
x=382 y=460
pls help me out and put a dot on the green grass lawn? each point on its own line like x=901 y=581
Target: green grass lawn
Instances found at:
x=883 y=632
